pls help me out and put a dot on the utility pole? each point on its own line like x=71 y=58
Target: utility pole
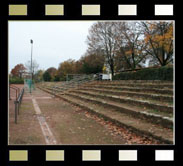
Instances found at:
x=31 y=41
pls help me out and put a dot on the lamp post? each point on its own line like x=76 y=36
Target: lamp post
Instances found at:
x=31 y=41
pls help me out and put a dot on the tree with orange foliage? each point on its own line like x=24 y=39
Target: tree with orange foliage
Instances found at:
x=159 y=37
x=18 y=70
x=66 y=67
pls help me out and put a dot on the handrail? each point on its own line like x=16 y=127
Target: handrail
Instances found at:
x=74 y=83
x=15 y=90
x=17 y=103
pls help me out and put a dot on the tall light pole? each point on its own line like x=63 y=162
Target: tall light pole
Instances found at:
x=31 y=41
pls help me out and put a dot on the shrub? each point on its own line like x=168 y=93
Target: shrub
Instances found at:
x=15 y=80
x=162 y=73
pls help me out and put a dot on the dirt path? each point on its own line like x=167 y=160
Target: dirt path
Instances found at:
x=47 y=120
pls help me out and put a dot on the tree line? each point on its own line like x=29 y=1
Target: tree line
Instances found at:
x=117 y=46
x=127 y=45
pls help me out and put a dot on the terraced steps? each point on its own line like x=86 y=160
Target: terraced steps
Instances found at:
x=136 y=81
x=131 y=121
x=143 y=107
x=151 y=96
x=165 y=120
x=133 y=89
x=133 y=84
x=132 y=101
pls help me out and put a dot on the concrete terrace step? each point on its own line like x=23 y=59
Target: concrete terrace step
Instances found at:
x=128 y=100
x=165 y=120
x=135 y=84
x=138 y=81
x=151 y=96
x=131 y=123
x=133 y=89
x=153 y=105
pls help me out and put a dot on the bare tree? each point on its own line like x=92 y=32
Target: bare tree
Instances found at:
x=131 y=44
x=35 y=67
x=122 y=43
x=102 y=37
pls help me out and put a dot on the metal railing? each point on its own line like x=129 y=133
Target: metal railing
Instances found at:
x=18 y=101
x=74 y=83
x=14 y=88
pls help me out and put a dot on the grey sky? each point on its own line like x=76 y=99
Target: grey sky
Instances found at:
x=54 y=41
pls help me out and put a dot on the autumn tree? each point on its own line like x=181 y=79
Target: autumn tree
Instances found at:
x=66 y=67
x=78 y=66
x=159 y=37
x=18 y=70
x=52 y=71
x=39 y=75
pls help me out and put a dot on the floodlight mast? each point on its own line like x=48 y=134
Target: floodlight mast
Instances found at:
x=31 y=41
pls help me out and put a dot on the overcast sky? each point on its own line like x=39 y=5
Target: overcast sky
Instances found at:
x=54 y=41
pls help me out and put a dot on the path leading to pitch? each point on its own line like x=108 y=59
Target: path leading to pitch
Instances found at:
x=45 y=120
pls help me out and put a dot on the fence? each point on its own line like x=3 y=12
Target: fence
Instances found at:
x=18 y=99
x=74 y=81
x=16 y=89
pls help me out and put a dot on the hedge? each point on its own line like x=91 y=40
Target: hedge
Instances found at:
x=162 y=73
x=16 y=81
